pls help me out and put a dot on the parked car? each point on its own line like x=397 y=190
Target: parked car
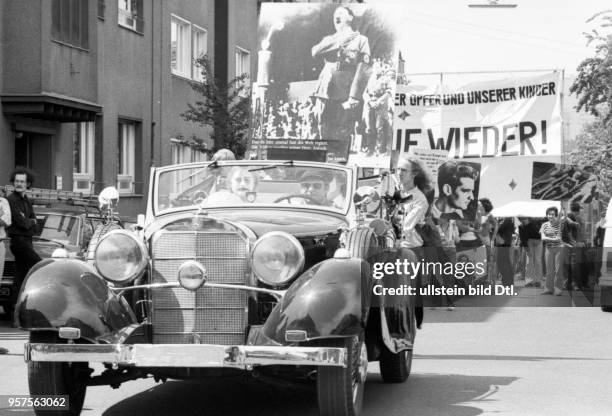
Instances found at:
x=252 y=266
x=60 y=225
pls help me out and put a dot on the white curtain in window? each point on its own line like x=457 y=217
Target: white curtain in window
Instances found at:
x=127 y=147
x=180 y=47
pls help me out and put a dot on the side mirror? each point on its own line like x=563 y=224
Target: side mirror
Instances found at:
x=367 y=199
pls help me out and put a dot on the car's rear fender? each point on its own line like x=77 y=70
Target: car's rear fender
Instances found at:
x=68 y=293
x=330 y=299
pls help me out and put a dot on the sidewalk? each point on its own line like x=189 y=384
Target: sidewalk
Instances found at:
x=530 y=297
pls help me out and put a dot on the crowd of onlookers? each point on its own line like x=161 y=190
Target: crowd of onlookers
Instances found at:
x=554 y=253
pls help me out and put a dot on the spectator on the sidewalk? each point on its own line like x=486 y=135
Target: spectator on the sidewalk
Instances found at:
x=503 y=244
x=488 y=228
x=568 y=229
x=598 y=242
x=579 y=274
x=22 y=228
x=531 y=243
x=551 y=238
x=488 y=225
x=449 y=233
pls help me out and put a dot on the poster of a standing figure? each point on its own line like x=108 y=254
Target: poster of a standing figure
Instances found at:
x=325 y=83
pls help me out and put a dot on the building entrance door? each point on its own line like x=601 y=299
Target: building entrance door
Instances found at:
x=34 y=151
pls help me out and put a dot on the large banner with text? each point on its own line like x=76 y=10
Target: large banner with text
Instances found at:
x=510 y=116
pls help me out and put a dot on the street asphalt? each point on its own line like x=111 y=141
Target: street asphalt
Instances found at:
x=471 y=361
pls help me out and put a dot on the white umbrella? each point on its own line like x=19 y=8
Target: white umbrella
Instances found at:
x=531 y=208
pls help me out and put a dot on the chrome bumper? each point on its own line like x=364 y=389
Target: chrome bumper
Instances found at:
x=186 y=355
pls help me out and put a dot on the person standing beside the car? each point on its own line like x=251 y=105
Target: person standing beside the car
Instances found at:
x=413 y=183
x=22 y=227
x=410 y=172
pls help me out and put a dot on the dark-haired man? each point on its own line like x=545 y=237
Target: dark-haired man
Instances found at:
x=22 y=228
x=456 y=183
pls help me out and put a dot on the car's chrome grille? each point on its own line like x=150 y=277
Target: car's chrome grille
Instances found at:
x=220 y=315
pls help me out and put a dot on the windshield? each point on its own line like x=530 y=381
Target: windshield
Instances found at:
x=253 y=184
x=57 y=227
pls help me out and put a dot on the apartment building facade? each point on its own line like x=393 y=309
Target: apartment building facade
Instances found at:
x=91 y=91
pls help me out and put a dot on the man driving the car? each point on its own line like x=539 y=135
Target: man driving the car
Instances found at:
x=315 y=187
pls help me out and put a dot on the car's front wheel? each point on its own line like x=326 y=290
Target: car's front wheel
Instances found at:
x=395 y=367
x=57 y=379
x=340 y=390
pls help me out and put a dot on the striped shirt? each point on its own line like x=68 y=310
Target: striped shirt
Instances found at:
x=551 y=230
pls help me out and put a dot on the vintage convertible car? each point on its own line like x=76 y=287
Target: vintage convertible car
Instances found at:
x=252 y=266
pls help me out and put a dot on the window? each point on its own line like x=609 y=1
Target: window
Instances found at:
x=181 y=153
x=187 y=43
x=130 y=14
x=127 y=157
x=243 y=62
x=199 y=42
x=83 y=152
x=69 y=22
x=180 y=47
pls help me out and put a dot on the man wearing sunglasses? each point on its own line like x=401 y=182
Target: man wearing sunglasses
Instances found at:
x=315 y=186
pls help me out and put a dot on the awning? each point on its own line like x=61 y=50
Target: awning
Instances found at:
x=49 y=106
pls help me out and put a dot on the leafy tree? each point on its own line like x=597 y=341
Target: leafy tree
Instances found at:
x=223 y=107
x=593 y=85
x=594 y=148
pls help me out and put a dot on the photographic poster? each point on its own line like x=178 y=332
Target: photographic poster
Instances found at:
x=325 y=82
x=563 y=182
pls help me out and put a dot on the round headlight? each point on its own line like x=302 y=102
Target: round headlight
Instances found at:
x=191 y=275
x=120 y=257
x=277 y=257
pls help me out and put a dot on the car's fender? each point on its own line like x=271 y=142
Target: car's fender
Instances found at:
x=68 y=293
x=330 y=299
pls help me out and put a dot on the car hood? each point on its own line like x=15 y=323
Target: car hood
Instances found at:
x=297 y=222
